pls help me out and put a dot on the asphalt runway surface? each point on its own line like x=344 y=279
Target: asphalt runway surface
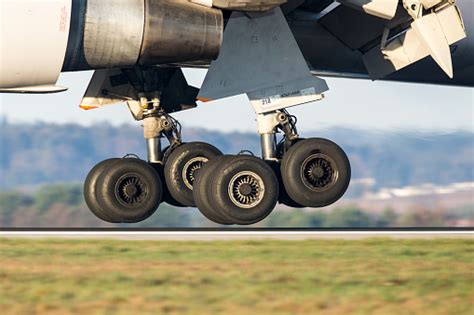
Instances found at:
x=235 y=235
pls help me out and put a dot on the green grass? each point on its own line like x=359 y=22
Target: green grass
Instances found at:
x=375 y=276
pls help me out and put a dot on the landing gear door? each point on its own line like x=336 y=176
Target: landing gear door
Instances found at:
x=114 y=86
x=107 y=87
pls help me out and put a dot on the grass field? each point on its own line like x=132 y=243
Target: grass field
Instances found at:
x=374 y=276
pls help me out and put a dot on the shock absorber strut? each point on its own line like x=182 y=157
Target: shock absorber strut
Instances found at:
x=268 y=126
x=156 y=125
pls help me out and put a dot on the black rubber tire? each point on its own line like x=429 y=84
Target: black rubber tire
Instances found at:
x=280 y=148
x=283 y=197
x=159 y=168
x=90 y=185
x=223 y=176
x=165 y=153
x=176 y=183
x=109 y=196
x=292 y=174
x=202 y=191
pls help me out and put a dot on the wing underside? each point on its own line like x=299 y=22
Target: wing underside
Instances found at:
x=378 y=41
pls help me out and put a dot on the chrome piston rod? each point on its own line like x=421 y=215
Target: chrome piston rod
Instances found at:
x=268 y=144
x=153 y=146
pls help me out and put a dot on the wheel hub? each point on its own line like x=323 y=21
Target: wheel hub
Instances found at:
x=130 y=190
x=190 y=169
x=319 y=172
x=246 y=189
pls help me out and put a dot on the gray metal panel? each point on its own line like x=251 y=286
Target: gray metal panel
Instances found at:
x=113 y=32
x=247 y=5
x=257 y=54
x=179 y=31
x=353 y=28
x=331 y=58
x=287 y=87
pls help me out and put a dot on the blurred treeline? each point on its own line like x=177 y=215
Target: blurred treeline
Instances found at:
x=63 y=206
x=36 y=154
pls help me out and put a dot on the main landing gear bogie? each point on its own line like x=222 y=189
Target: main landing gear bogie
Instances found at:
x=240 y=189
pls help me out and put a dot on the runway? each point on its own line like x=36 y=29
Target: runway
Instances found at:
x=236 y=235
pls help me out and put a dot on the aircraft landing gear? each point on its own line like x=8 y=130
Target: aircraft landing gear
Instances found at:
x=296 y=172
x=240 y=189
x=312 y=172
x=130 y=190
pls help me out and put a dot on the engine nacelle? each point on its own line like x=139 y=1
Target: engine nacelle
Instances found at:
x=33 y=40
x=41 y=38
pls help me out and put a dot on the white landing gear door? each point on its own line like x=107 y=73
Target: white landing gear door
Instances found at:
x=261 y=58
x=33 y=41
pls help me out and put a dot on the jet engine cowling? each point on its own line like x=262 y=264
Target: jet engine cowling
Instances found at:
x=125 y=33
x=33 y=40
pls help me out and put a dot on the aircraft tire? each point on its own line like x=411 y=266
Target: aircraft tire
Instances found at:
x=129 y=189
x=90 y=185
x=283 y=197
x=159 y=168
x=202 y=191
x=166 y=194
x=280 y=148
x=315 y=172
x=244 y=189
x=181 y=166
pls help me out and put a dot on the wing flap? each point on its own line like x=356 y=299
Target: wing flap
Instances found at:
x=429 y=35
